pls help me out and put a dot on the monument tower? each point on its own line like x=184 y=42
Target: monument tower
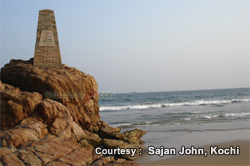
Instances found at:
x=47 y=51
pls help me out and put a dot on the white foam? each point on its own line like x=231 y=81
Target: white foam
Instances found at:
x=150 y=122
x=210 y=116
x=113 y=108
x=193 y=103
x=122 y=124
x=236 y=114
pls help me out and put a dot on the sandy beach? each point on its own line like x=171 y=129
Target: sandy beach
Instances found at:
x=241 y=159
x=222 y=139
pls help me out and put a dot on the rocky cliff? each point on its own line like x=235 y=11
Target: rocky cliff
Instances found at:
x=51 y=117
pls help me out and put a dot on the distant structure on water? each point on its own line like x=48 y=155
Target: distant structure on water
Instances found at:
x=47 y=51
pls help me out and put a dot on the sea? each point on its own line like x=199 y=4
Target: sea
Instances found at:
x=172 y=114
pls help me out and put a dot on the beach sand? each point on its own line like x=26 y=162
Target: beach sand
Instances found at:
x=223 y=139
x=242 y=159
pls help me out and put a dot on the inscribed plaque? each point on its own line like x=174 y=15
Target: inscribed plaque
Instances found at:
x=47 y=38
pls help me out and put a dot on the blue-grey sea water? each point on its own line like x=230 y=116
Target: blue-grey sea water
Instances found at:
x=200 y=110
x=181 y=118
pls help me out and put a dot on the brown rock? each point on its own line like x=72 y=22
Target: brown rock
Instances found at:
x=92 y=138
x=107 y=131
x=7 y=150
x=80 y=156
x=48 y=138
x=130 y=163
x=33 y=118
x=77 y=131
x=24 y=133
x=132 y=136
x=59 y=129
x=51 y=110
x=103 y=161
x=28 y=158
x=72 y=132
x=108 y=159
x=98 y=163
x=51 y=148
x=57 y=126
x=11 y=159
x=96 y=157
x=16 y=105
x=114 y=164
x=126 y=163
x=60 y=121
x=57 y=148
x=45 y=158
x=112 y=143
x=47 y=150
x=69 y=86
x=85 y=143
x=56 y=163
x=121 y=160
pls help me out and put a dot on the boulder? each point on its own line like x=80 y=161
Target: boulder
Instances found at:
x=106 y=131
x=80 y=156
x=104 y=161
x=53 y=148
x=7 y=150
x=50 y=150
x=74 y=89
x=23 y=133
x=126 y=163
x=11 y=159
x=16 y=105
x=51 y=117
x=92 y=138
x=51 y=110
x=36 y=117
x=112 y=143
x=121 y=161
x=132 y=136
x=28 y=158
x=56 y=163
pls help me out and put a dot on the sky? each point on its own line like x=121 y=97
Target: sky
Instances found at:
x=140 y=45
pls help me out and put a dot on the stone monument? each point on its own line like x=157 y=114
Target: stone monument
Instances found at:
x=47 y=51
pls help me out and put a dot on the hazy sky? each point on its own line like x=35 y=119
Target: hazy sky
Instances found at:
x=140 y=45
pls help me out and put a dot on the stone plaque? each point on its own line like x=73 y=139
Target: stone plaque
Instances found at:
x=47 y=38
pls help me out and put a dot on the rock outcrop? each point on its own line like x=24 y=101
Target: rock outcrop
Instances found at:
x=51 y=117
x=16 y=105
x=74 y=89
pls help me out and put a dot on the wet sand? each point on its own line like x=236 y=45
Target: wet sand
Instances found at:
x=205 y=139
x=241 y=159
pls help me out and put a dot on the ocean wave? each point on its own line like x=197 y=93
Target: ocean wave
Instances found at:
x=210 y=116
x=236 y=114
x=184 y=120
x=113 y=108
x=187 y=119
x=193 y=103
x=134 y=124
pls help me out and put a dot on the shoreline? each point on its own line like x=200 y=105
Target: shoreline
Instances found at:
x=241 y=159
x=198 y=140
